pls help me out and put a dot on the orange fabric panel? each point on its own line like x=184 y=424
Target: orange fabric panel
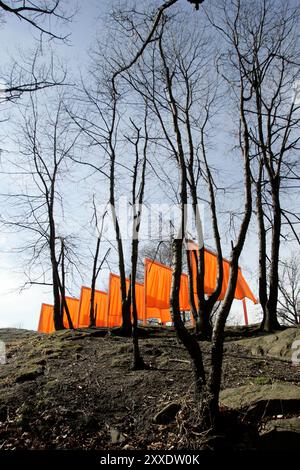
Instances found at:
x=140 y=301
x=114 y=305
x=73 y=306
x=161 y=314
x=165 y=315
x=100 y=306
x=184 y=293
x=243 y=290
x=210 y=262
x=153 y=312
x=210 y=278
x=46 y=323
x=158 y=280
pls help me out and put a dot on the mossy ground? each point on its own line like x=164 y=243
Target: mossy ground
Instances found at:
x=76 y=390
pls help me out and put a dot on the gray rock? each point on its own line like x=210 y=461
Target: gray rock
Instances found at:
x=263 y=400
x=116 y=436
x=277 y=345
x=29 y=375
x=283 y=434
x=167 y=414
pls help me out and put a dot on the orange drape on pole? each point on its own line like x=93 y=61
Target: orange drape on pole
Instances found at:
x=114 y=305
x=210 y=278
x=73 y=306
x=46 y=324
x=158 y=280
x=152 y=299
x=140 y=301
x=100 y=307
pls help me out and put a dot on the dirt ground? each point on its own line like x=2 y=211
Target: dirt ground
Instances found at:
x=76 y=390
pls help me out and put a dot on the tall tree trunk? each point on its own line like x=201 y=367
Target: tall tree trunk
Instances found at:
x=62 y=285
x=211 y=408
x=57 y=316
x=189 y=341
x=211 y=412
x=93 y=285
x=270 y=321
x=138 y=362
x=126 y=327
x=205 y=305
x=262 y=256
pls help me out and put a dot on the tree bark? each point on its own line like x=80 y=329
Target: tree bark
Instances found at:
x=93 y=285
x=270 y=322
x=262 y=255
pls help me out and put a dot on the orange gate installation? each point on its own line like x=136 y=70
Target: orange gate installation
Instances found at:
x=152 y=297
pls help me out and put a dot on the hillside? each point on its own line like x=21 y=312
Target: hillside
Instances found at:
x=75 y=390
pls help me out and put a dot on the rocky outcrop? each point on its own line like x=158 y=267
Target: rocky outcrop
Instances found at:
x=283 y=434
x=279 y=345
x=263 y=400
x=167 y=414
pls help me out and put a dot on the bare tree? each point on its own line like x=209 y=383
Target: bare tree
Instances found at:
x=137 y=199
x=289 y=291
x=208 y=394
x=206 y=304
x=156 y=77
x=45 y=141
x=187 y=79
x=264 y=42
x=26 y=75
x=96 y=265
x=38 y=14
x=106 y=99
x=100 y=125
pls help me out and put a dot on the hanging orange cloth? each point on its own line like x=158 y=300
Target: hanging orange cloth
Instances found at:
x=114 y=305
x=210 y=277
x=73 y=306
x=100 y=307
x=46 y=323
x=158 y=280
x=140 y=301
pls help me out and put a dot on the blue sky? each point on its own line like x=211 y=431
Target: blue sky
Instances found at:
x=21 y=309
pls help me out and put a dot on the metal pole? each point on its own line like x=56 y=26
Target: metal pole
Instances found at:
x=245 y=312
